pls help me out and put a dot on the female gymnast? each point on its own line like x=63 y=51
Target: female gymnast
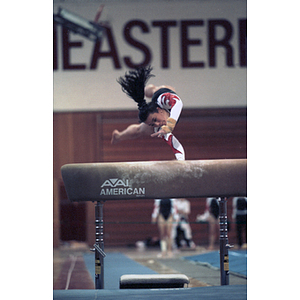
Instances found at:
x=165 y=214
x=158 y=117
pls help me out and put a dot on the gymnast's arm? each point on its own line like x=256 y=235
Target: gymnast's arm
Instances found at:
x=133 y=131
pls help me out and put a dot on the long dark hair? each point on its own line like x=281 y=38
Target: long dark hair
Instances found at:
x=133 y=84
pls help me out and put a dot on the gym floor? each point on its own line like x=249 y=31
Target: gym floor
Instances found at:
x=73 y=268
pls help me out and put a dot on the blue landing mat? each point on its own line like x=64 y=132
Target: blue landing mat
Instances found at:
x=237 y=260
x=228 y=292
x=115 y=265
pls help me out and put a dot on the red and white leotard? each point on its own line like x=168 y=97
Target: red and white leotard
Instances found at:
x=170 y=101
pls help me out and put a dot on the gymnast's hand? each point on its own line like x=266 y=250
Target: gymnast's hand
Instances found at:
x=160 y=133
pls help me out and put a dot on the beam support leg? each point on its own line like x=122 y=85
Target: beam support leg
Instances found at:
x=99 y=246
x=224 y=257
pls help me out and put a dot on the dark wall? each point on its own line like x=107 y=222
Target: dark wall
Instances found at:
x=85 y=137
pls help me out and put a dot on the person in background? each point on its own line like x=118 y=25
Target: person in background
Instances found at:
x=211 y=215
x=158 y=117
x=239 y=216
x=182 y=230
x=165 y=214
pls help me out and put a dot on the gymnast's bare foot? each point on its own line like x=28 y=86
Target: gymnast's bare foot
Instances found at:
x=115 y=137
x=149 y=90
x=170 y=254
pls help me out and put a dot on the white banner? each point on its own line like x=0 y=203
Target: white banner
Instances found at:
x=199 y=47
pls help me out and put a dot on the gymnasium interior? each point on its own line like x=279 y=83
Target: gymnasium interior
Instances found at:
x=200 y=48
x=234 y=65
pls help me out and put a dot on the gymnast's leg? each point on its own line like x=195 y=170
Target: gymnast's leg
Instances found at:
x=175 y=146
x=161 y=222
x=169 y=228
x=165 y=231
x=212 y=224
x=150 y=89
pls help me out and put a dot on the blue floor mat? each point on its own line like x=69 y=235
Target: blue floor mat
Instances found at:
x=237 y=260
x=115 y=265
x=228 y=292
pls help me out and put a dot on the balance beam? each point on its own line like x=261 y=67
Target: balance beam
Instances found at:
x=150 y=180
x=158 y=179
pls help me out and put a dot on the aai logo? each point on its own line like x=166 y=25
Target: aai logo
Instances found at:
x=116 y=187
x=115 y=182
